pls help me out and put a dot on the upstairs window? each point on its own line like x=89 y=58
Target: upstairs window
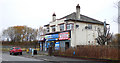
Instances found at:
x=90 y=26
x=61 y=27
x=69 y=26
x=53 y=28
x=47 y=29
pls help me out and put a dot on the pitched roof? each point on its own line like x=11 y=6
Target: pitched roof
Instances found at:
x=46 y=25
x=83 y=18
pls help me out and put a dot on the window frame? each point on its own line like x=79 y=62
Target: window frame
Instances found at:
x=89 y=26
x=71 y=27
x=63 y=28
x=48 y=29
x=53 y=30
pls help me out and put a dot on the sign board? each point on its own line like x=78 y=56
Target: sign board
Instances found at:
x=64 y=36
x=51 y=39
x=52 y=36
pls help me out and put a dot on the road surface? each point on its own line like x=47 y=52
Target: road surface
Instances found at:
x=7 y=57
x=42 y=59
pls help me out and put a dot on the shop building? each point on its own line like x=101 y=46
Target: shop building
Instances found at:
x=72 y=30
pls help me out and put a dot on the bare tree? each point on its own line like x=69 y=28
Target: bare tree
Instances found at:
x=41 y=31
x=11 y=33
x=20 y=34
x=104 y=37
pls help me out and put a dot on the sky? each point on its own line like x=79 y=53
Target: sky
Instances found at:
x=36 y=13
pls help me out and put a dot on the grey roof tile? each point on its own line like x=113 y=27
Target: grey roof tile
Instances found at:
x=83 y=18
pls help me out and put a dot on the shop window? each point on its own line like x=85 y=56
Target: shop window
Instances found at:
x=69 y=26
x=61 y=27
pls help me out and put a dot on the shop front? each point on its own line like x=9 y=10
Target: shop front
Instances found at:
x=64 y=39
x=51 y=40
x=59 y=40
x=42 y=43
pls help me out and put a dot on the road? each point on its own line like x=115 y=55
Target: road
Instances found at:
x=42 y=59
x=7 y=57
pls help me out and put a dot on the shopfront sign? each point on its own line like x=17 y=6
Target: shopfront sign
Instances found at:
x=51 y=36
x=51 y=39
x=64 y=36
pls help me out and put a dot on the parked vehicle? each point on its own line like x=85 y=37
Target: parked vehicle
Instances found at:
x=15 y=50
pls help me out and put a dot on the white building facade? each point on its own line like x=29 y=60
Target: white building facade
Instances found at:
x=72 y=30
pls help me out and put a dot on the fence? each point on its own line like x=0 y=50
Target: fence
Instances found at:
x=89 y=51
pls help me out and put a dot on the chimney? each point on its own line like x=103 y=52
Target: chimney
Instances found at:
x=78 y=12
x=53 y=17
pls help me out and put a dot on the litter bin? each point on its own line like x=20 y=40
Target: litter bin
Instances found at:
x=35 y=52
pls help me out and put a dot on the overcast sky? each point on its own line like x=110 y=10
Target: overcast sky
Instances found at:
x=36 y=13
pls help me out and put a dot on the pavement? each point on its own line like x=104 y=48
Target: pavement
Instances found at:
x=44 y=56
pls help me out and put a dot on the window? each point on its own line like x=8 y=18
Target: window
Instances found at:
x=77 y=26
x=47 y=29
x=11 y=48
x=89 y=26
x=17 y=48
x=69 y=26
x=95 y=28
x=61 y=27
x=53 y=28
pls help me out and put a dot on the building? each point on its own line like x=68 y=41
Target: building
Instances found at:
x=72 y=30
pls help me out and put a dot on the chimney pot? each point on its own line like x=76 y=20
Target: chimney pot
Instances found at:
x=53 y=17
x=78 y=12
x=54 y=14
x=77 y=6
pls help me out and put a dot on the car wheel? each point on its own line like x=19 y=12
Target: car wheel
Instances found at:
x=12 y=53
x=20 y=53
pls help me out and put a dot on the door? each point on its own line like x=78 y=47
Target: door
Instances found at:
x=66 y=45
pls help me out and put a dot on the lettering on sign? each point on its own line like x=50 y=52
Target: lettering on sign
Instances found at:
x=64 y=36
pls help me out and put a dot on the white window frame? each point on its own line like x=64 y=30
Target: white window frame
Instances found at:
x=70 y=26
x=62 y=27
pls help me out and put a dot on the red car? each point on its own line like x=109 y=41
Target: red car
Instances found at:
x=15 y=50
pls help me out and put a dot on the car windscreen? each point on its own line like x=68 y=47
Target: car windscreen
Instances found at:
x=11 y=48
x=17 y=48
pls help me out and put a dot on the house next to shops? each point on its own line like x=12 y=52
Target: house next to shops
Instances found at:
x=70 y=31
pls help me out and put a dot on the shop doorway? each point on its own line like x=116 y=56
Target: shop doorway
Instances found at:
x=66 y=45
